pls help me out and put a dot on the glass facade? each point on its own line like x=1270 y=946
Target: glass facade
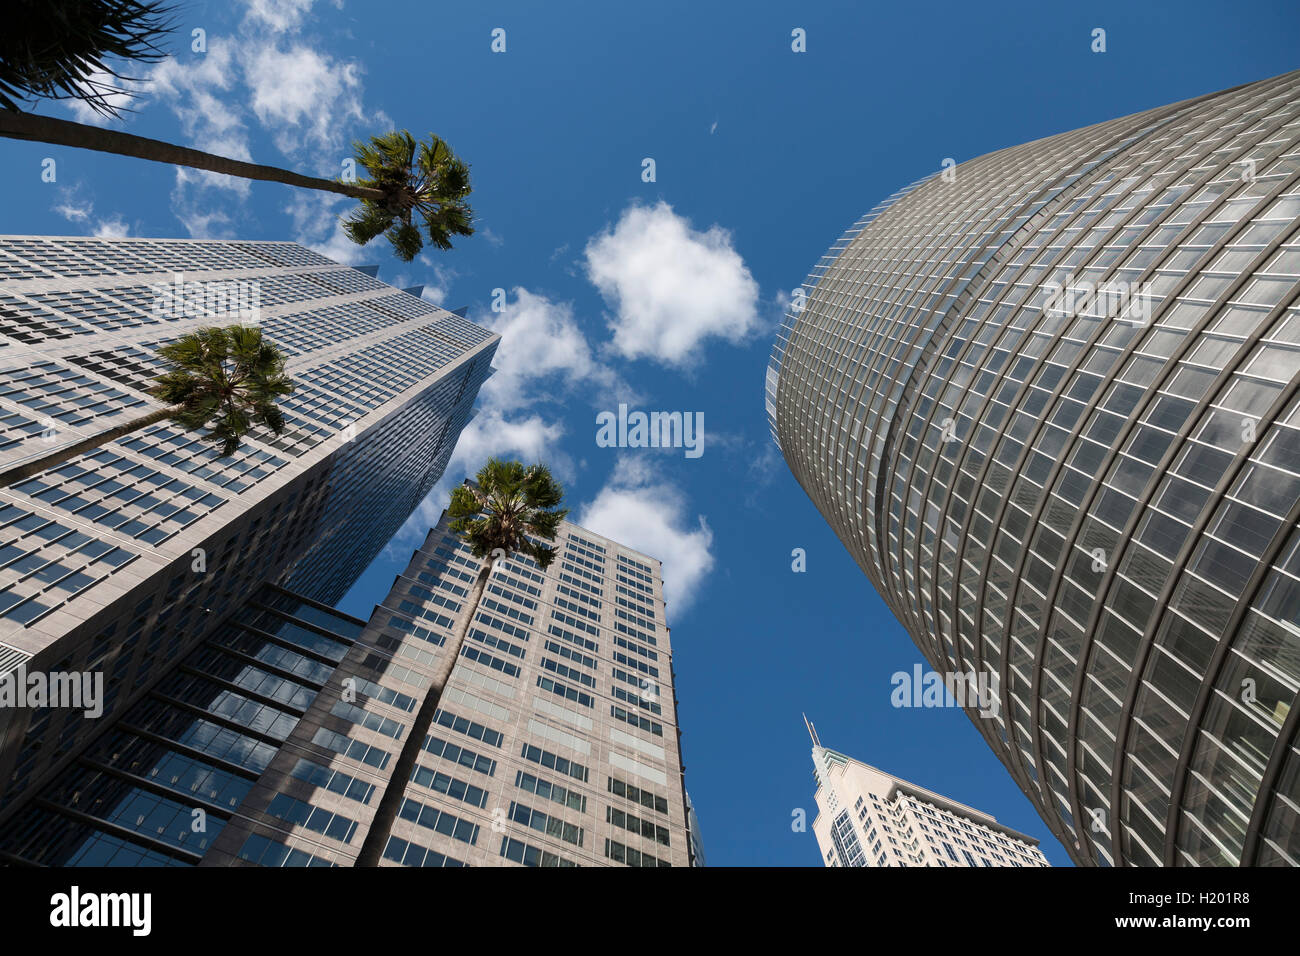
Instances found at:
x=1048 y=400
x=122 y=560
x=198 y=741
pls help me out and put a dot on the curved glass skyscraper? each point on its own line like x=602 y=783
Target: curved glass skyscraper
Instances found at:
x=1048 y=400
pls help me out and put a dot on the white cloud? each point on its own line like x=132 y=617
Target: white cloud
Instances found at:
x=764 y=468
x=263 y=75
x=278 y=16
x=431 y=290
x=114 y=227
x=542 y=352
x=342 y=249
x=490 y=434
x=72 y=207
x=539 y=340
x=210 y=123
x=782 y=301
x=75 y=213
x=314 y=216
x=671 y=287
x=307 y=101
x=191 y=85
x=638 y=510
x=120 y=93
x=202 y=222
x=439 y=288
x=234 y=148
x=304 y=97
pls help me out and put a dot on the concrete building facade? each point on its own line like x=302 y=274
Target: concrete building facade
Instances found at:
x=556 y=742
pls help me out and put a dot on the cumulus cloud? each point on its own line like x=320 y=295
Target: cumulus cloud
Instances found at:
x=542 y=355
x=670 y=286
x=114 y=227
x=437 y=290
x=315 y=222
x=209 y=121
x=638 y=509
x=303 y=96
x=529 y=438
x=540 y=340
x=265 y=76
x=202 y=221
x=434 y=290
x=195 y=91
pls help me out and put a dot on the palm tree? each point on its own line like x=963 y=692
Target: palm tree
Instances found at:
x=431 y=180
x=59 y=49
x=230 y=377
x=424 y=178
x=502 y=514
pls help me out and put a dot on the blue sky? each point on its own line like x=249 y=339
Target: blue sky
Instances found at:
x=664 y=295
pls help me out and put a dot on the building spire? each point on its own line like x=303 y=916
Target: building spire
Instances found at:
x=812 y=731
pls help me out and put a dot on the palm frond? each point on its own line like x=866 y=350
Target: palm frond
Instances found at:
x=425 y=178
x=366 y=222
x=508 y=507
x=406 y=241
x=70 y=49
x=226 y=379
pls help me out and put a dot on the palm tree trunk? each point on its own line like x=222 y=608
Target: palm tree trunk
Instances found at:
x=47 y=129
x=372 y=847
x=54 y=459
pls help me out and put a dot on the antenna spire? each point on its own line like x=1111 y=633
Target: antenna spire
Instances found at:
x=812 y=731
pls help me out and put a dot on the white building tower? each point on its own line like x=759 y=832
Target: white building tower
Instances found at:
x=867 y=817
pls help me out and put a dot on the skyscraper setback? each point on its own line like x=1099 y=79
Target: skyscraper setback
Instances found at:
x=1048 y=401
x=127 y=559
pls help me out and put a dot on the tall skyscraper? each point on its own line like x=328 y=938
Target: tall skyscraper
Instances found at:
x=272 y=742
x=125 y=560
x=1047 y=399
x=556 y=742
x=867 y=817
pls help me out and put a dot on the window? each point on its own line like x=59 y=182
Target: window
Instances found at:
x=630 y=857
